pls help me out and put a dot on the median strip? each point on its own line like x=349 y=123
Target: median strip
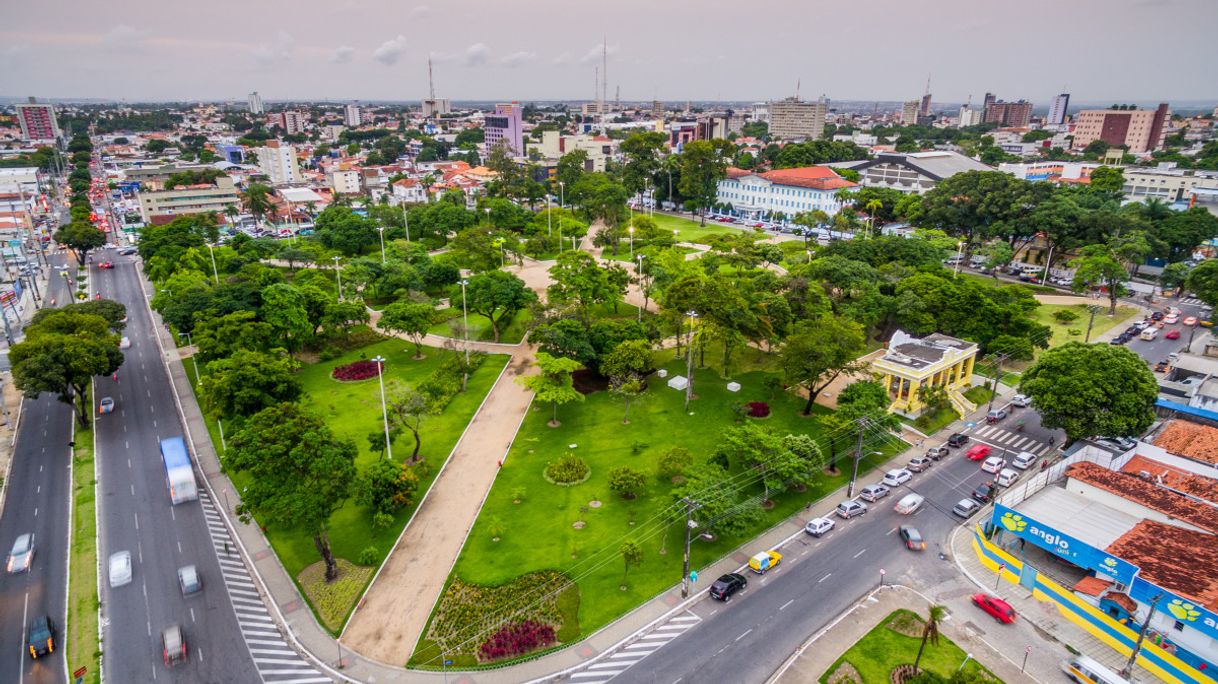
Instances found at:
x=82 y=630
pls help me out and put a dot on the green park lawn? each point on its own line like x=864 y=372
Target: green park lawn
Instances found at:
x=511 y=332
x=693 y=231
x=538 y=534
x=352 y=410
x=1061 y=331
x=882 y=649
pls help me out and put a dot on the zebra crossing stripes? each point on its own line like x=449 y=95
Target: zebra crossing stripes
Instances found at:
x=623 y=657
x=1192 y=301
x=1012 y=440
x=276 y=662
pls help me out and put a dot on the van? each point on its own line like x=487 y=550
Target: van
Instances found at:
x=1149 y=333
x=1006 y=477
x=1024 y=460
x=1084 y=670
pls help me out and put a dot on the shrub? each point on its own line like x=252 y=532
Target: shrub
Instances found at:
x=1074 y=332
x=518 y=493
x=759 y=409
x=329 y=353
x=356 y=371
x=674 y=462
x=567 y=470
x=368 y=556
x=382 y=521
x=637 y=447
x=517 y=639
x=1065 y=316
x=626 y=481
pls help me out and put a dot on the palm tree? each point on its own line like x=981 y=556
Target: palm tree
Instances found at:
x=427 y=181
x=257 y=202
x=872 y=207
x=232 y=212
x=930 y=631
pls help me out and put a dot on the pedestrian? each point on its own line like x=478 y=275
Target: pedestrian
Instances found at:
x=1051 y=440
x=1044 y=464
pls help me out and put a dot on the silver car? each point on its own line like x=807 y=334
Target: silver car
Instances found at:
x=120 y=568
x=22 y=555
x=189 y=580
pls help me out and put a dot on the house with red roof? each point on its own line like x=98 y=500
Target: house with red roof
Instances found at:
x=783 y=191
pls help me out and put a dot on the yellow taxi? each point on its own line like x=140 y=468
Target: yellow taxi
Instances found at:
x=764 y=561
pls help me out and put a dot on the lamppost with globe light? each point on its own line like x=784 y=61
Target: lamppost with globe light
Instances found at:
x=381 y=230
x=380 y=378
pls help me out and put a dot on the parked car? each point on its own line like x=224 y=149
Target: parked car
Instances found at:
x=909 y=504
x=978 y=452
x=1122 y=443
x=41 y=636
x=897 y=477
x=106 y=405
x=1161 y=367
x=873 y=493
x=936 y=453
x=995 y=416
x=1157 y=316
x=22 y=555
x=1023 y=460
x=912 y=538
x=120 y=568
x=726 y=585
x=984 y=492
x=128 y=250
x=918 y=464
x=189 y=580
x=965 y=508
x=1021 y=400
x=993 y=464
x=173 y=645
x=850 y=509
x=818 y=527
x=1006 y=477
x=764 y=561
x=997 y=608
x=957 y=440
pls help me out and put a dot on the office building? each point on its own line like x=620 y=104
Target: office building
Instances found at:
x=278 y=162
x=193 y=199
x=909 y=113
x=792 y=118
x=436 y=106
x=353 y=115
x=1140 y=130
x=505 y=126
x=255 y=101
x=1057 y=110
x=37 y=121
x=657 y=107
x=1167 y=183
x=924 y=107
x=1007 y=114
x=971 y=116
x=786 y=191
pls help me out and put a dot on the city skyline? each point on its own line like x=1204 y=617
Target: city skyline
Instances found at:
x=515 y=53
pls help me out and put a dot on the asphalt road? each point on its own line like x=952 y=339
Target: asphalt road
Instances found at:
x=747 y=639
x=37 y=498
x=1156 y=350
x=136 y=515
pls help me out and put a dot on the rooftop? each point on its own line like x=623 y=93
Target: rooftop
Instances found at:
x=1175 y=505
x=1182 y=480
x=1087 y=520
x=1173 y=558
x=1190 y=440
x=907 y=350
x=814 y=177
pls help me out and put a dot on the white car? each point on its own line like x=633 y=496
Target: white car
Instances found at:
x=818 y=526
x=897 y=477
x=120 y=568
x=22 y=554
x=1021 y=400
x=909 y=504
x=993 y=464
x=124 y=343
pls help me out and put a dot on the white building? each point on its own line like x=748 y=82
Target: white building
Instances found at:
x=278 y=162
x=436 y=106
x=345 y=182
x=909 y=112
x=554 y=145
x=787 y=191
x=409 y=191
x=353 y=115
x=255 y=101
x=971 y=116
x=1057 y=111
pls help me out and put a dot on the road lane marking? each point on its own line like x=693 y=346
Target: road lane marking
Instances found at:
x=824 y=578
x=860 y=553
x=746 y=633
x=192 y=614
x=135 y=515
x=784 y=606
x=886 y=534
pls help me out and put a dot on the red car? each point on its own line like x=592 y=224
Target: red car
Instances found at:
x=997 y=608
x=1172 y=334
x=105 y=264
x=978 y=452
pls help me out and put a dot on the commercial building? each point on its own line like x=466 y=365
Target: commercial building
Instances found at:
x=435 y=106
x=1166 y=182
x=163 y=205
x=26 y=179
x=936 y=360
x=785 y=191
x=916 y=172
x=255 y=103
x=1058 y=109
x=1008 y=114
x=278 y=161
x=353 y=115
x=1052 y=171
x=505 y=126
x=793 y=118
x=554 y=145
x=37 y=122
x=909 y=113
x=1139 y=130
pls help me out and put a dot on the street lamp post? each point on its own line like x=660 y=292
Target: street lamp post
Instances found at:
x=465 y=330
x=381 y=230
x=967 y=657
x=214 y=271
x=406 y=221
x=380 y=378
x=338 y=272
x=191 y=343
x=631 y=243
x=959 y=258
x=689 y=360
x=642 y=287
x=549 y=216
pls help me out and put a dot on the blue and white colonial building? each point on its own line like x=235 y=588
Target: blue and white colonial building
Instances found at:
x=786 y=191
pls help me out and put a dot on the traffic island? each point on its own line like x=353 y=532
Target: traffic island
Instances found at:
x=81 y=632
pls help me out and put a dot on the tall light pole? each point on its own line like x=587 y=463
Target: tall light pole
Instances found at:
x=549 y=216
x=338 y=272
x=215 y=272
x=381 y=230
x=406 y=220
x=959 y=258
x=689 y=360
x=631 y=231
x=642 y=287
x=465 y=330
x=380 y=378
x=191 y=343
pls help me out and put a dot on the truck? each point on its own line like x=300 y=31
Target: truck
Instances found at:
x=179 y=473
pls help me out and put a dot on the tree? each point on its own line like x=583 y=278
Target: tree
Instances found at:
x=703 y=165
x=257 y=200
x=674 y=462
x=1107 y=179
x=625 y=366
x=721 y=507
x=930 y=630
x=753 y=446
x=578 y=278
x=220 y=337
x=819 y=351
x=632 y=554
x=299 y=473
x=61 y=354
x=410 y=319
x=641 y=159
x=386 y=487
x=997 y=255
x=1098 y=266
x=571 y=167
x=342 y=229
x=626 y=481
x=81 y=237
x=498 y=295
x=248 y=382
x=284 y=308
x=407 y=407
x=554 y=383
x=1092 y=389
x=1203 y=281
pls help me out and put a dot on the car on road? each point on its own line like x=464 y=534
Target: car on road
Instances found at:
x=957 y=440
x=997 y=608
x=106 y=265
x=995 y=416
x=1172 y=334
x=128 y=250
x=984 y=492
x=965 y=508
x=909 y=504
x=850 y=509
x=873 y=493
x=918 y=464
x=22 y=555
x=1171 y=319
x=1157 y=316
x=1023 y=460
x=978 y=452
x=106 y=405
x=1149 y=334
x=912 y=538
x=1161 y=367
x=726 y=585
x=936 y=453
x=1118 y=340
x=189 y=580
x=124 y=343
x=120 y=568
x=818 y=527
x=1007 y=477
x=766 y=560
x=1021 y=400
x=173 y=645
x=41 y=636
x=897 y=477
x=1190 y=321
x=993 y=464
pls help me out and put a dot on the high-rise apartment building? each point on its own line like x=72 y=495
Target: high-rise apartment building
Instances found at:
x=291 y=121
x=1057 y=110
x=255 y=101
x=924 y=107
x=436 y=106
x=278 y=162
x=971 y=116
x=793 y=118
x=37 y=121
x=353 y=115
x=505 y=126
x=909 y=112
x=1141 y=130
x=1007 y=114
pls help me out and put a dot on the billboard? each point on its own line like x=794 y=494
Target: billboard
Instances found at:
x=1081 y=554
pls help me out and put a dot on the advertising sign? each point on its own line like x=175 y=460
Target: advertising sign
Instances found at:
x=1081 y=554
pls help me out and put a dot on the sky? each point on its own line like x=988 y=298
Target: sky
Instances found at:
x=672 y=50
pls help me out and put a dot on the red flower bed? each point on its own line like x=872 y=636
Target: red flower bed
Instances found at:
x=360 y=370
x=758 y=409
x=517 y=639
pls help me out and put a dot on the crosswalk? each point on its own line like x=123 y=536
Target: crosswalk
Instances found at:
x=276 y=662
x=620 y=660
x=1193 y=301
x=1011 y=440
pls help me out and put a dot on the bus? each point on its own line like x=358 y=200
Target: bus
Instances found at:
x=1084 y=670
x=179 y=475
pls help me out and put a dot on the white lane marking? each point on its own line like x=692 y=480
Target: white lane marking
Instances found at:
x=860 y=553
x=746 y=633
x=824 y=578
x=784 y=606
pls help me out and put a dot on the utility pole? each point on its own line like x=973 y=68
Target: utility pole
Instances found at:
x=1137 y=648
x=689 y=528
x=858 y=455
x=1094 y=310
x=997 y=379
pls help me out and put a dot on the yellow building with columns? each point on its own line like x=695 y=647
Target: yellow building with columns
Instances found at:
x=935 y=360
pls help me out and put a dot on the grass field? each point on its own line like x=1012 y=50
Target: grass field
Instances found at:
x=882 y=649
x=692 y=231
x=353 y=411
x=511 y=332
x=540 y=532
x=82 y=637
x=1061 y=331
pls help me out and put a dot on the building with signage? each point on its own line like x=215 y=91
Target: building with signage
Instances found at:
x=936 y=360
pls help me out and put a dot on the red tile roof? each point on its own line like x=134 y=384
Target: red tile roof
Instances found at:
x=1092 y=586
x=1190 y=440
x=1133 y=488
x=1182 y=480
x=814 y=177
x=1174 y=558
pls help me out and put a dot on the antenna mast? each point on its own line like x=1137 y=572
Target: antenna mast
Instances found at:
x=431 y=84
x=604 y=78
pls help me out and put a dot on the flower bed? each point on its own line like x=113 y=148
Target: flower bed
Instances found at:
x=759 y=409
x=567 y=470
x=356 y=371
x=517 y=639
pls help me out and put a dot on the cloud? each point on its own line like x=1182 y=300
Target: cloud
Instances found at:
x=562 y=60
x=594 y=54
x=442 y=57
x=278 y=51
x=342 y=54
x=390 y=51
x=476 y=55
x=418 y=12
x=124 y=36
x=517 y=58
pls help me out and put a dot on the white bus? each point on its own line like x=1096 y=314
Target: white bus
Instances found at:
x=179 y=475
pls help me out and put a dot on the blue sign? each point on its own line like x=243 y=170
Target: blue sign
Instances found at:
x=447 y=663
x=1081 y=554
x=1181 y=609
x=693 y=575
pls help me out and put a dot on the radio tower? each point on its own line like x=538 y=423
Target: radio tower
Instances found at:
x=604 y=79
x=431 y=84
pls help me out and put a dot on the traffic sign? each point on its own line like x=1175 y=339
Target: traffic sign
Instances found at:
x=447 y=663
